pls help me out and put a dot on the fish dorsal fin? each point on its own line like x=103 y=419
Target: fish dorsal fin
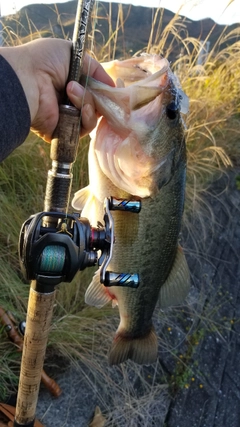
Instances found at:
x=81 y=197
x=96 y=293
x=141 y=95
x=176 y=287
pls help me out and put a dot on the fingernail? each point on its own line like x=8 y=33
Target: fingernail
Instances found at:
x=76 y=89
x=89 y=111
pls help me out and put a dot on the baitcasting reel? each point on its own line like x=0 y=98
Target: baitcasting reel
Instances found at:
x=53 y=246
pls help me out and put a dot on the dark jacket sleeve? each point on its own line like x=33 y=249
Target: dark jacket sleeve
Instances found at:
x=15 y=118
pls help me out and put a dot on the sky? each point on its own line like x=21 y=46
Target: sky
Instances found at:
x=224 y=12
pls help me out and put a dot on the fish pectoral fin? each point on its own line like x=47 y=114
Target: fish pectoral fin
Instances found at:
x=81 y=197
x=177 y=285
x=142 y=350
x=96 y=293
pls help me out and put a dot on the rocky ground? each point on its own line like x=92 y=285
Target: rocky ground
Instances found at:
x=215 y=402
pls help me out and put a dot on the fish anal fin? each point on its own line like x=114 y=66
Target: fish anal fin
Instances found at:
x=176 y=287
x=141 y=350
x=97 y=294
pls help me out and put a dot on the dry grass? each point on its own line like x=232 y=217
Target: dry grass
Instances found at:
x=78 y=332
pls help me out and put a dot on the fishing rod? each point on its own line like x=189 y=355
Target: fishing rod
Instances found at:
x=42 y=265
x=54 y=244
x=15 y=332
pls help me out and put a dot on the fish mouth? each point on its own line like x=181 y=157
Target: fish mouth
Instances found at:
x=127 y=165
x=136 y=69
x=128 y=144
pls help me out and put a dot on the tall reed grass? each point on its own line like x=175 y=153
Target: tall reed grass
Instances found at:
x=212 y=137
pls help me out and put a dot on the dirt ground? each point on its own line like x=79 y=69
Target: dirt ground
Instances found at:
x=197 y=382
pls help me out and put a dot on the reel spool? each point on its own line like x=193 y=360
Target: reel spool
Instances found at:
x=53 y=251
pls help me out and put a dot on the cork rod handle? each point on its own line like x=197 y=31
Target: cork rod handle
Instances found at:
x=39 y=315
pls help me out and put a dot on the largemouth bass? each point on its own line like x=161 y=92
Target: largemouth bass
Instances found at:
x=137 y=151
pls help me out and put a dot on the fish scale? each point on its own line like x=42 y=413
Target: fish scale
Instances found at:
x=139 y=154
x=145 y=240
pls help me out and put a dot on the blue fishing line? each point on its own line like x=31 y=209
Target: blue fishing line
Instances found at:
x=53 y=258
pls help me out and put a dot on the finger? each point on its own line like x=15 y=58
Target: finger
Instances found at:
x=79 y=96
x=94 y=69
x=83 y=100
x=89 y=119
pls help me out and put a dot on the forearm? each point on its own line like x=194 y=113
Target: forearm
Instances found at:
x=33 y=80
x=37 y=68
x=14 y=110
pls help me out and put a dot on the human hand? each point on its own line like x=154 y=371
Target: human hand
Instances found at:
x=42 y=67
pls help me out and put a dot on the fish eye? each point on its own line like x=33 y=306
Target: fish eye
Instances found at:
x=172 y=110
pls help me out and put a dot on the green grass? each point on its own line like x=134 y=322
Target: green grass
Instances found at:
x=78 y=332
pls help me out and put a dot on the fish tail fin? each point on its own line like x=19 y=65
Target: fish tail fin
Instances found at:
x=141 y=350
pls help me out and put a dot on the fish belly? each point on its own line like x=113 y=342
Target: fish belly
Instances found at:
x=146 y=244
